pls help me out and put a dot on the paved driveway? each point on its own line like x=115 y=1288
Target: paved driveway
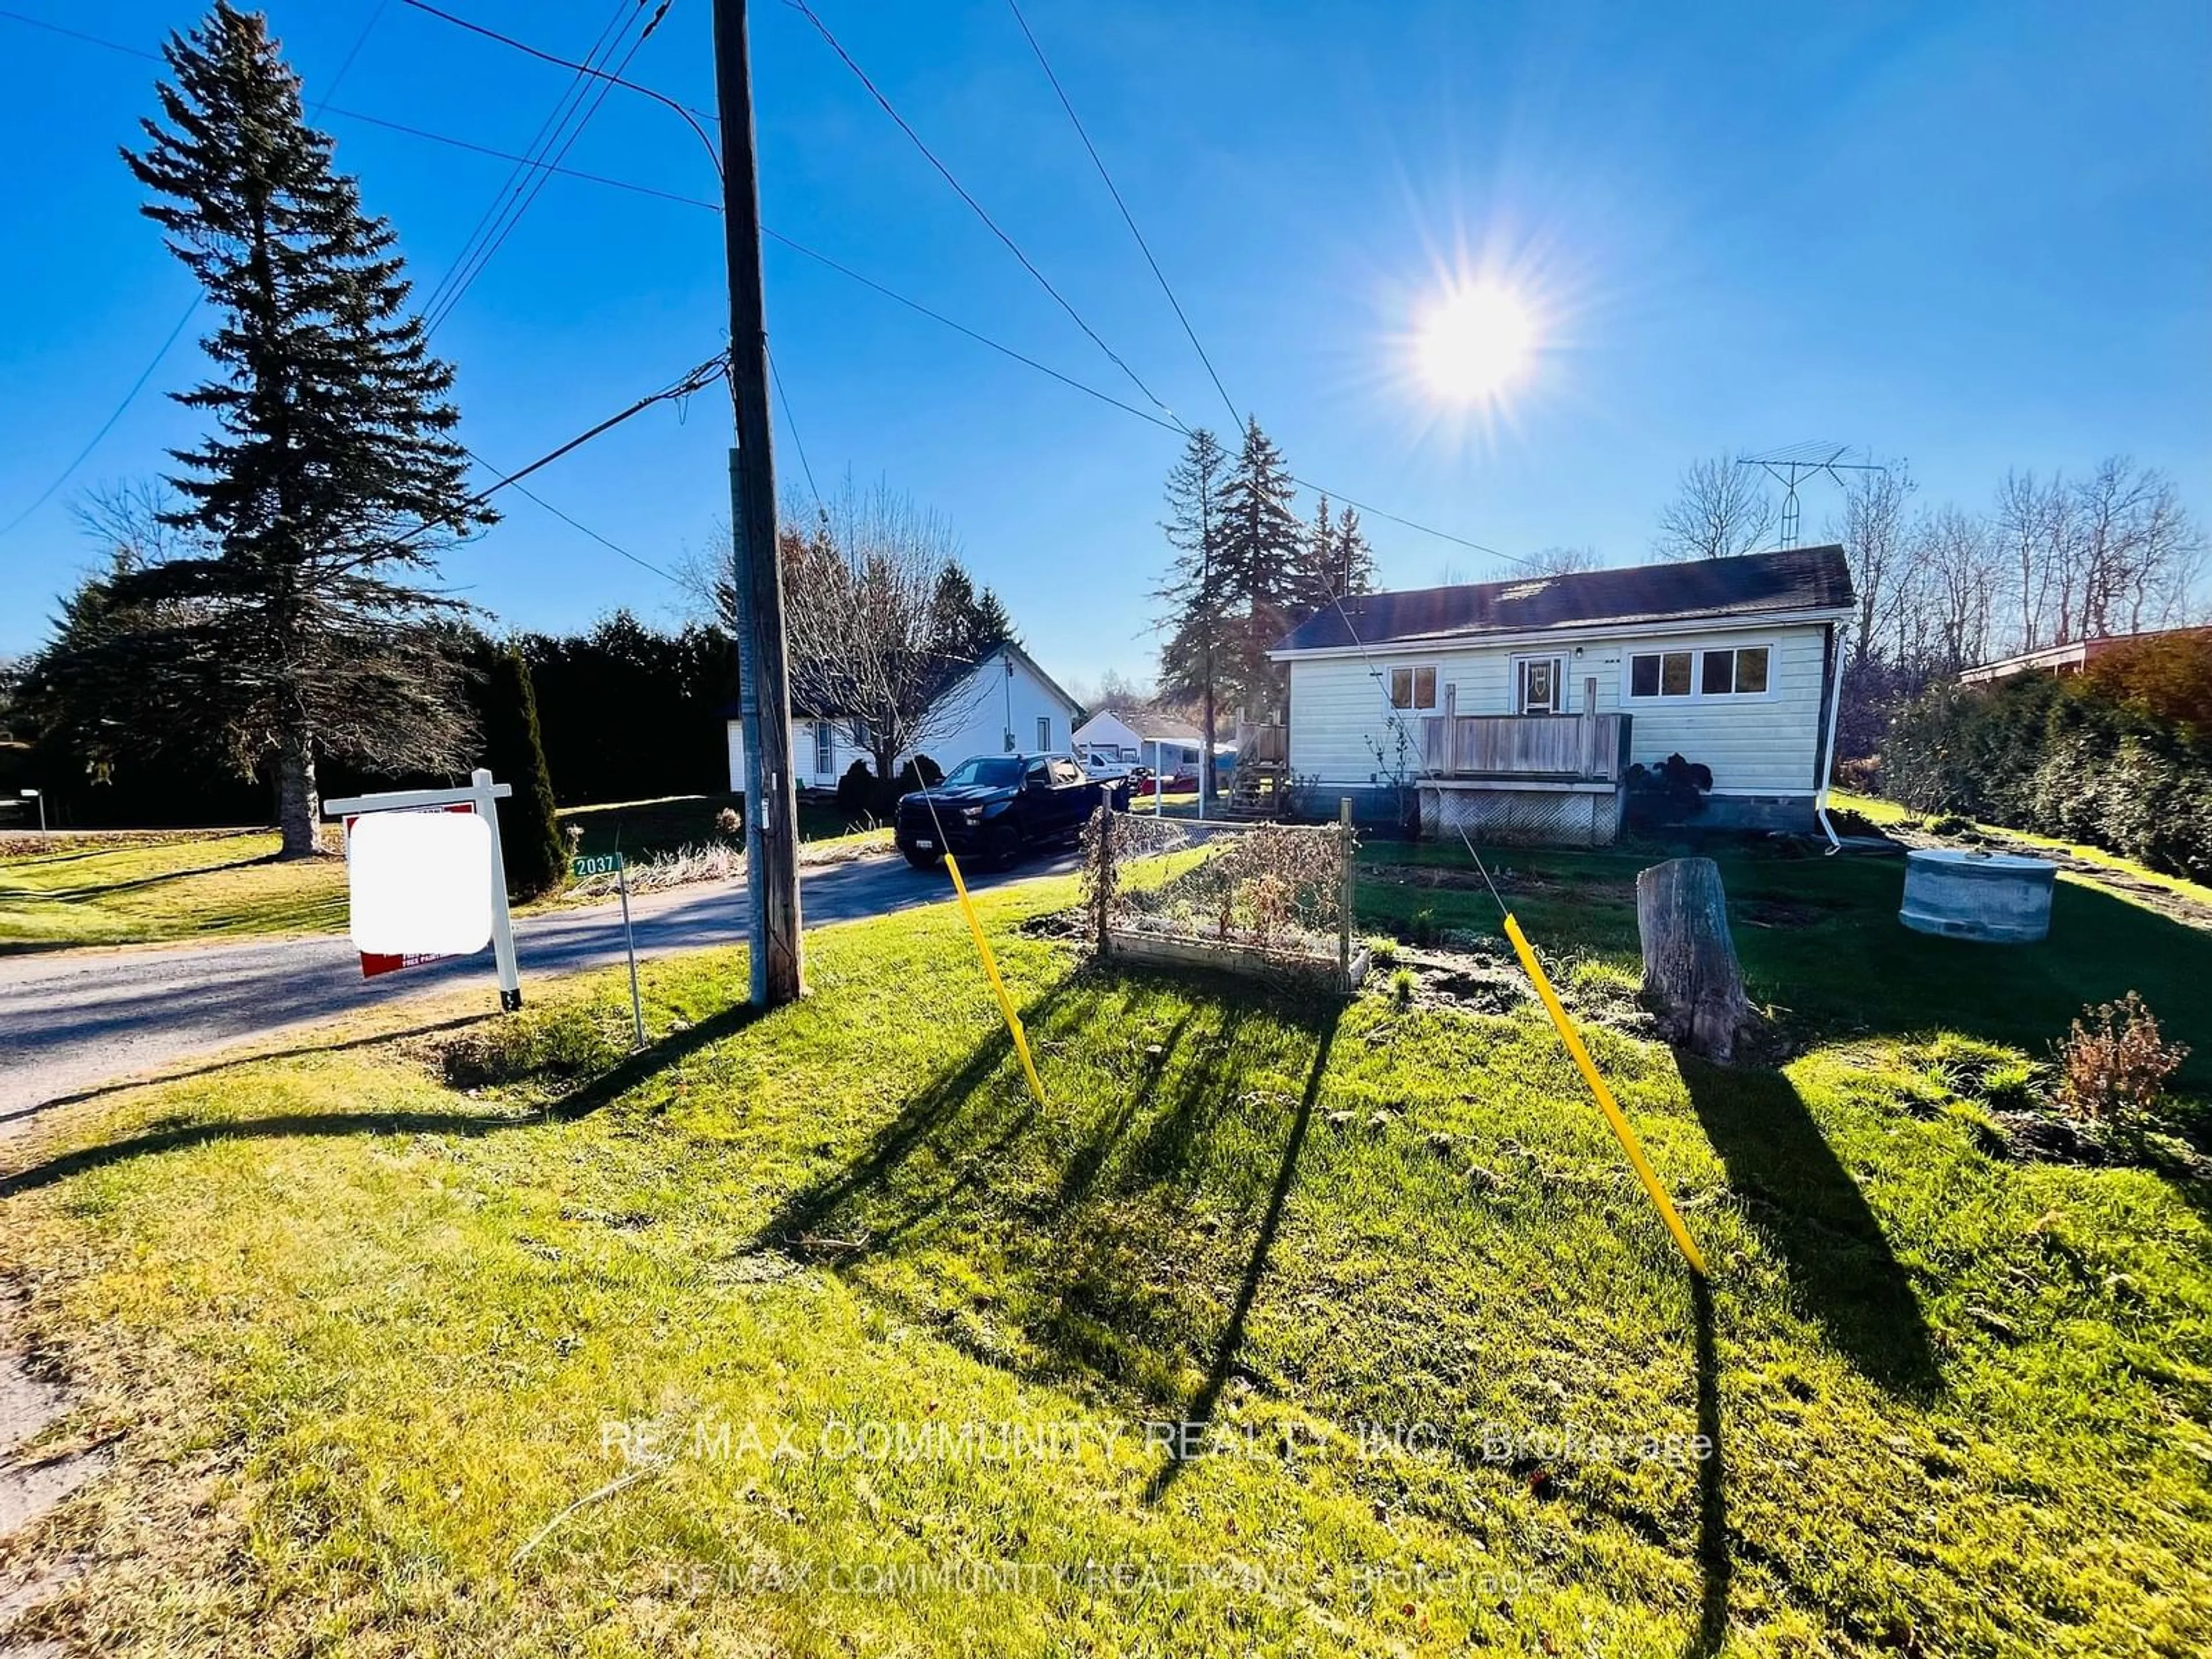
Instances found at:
x=72 y=1019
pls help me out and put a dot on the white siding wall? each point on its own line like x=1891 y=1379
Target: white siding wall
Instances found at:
x=1110 y=730
x=1755 y=745
x=973 y=722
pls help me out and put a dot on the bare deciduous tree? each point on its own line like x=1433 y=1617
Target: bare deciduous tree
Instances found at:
x=1958 y=566
x=2113 y=553
x=2032 y=527
x=1561 y=561
x=1876 y=539
x=1720 y=510
x=2138 y=552
x=1111 y=690
x=868 y=638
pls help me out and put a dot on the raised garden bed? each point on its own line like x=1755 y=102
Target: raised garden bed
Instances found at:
x=1281 y=964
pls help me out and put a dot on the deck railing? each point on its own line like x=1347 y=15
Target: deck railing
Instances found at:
x=1579 y=748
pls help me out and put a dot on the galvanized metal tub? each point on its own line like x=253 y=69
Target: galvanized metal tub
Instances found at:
x=2002 y=898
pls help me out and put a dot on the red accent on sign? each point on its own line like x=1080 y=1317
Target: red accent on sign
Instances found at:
x=373 y=964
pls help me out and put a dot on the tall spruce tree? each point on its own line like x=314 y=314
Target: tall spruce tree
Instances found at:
x=968 y=626
x=1261 y=544
x=1192 y=590
x=1334 y=563
x=993 y=624
x=332 y=477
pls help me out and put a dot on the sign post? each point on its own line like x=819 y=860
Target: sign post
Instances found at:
x=601 y=864
x=480 y=797
x=33 y=794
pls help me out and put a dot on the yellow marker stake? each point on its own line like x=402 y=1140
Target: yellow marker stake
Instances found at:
x=1605 y=1100
x=998 y=985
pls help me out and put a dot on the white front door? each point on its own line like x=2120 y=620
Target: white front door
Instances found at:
x=1539 y=685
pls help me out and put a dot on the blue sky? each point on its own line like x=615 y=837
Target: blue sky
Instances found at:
x=1976 y=236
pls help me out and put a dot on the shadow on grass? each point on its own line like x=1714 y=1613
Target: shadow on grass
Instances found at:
x=1713 y=1561
x=106 y=889
x=941 y=1118
x=1109 y=1214
x=458 y=1022
x=1801 y=1198
x=595 y=1092
x=1198 y=1414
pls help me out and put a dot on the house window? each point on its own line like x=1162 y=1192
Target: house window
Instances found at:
x=1539 y=685
x=1414 y=688
x=1660 y=674
x=825 y=748
x=1731 y=672
x=1044 y=730
x=1747 y=672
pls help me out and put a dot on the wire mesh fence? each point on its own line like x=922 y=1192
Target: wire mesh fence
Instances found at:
x=1270 y=897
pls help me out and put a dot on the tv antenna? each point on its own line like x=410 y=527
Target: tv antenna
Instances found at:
x=1797 y=463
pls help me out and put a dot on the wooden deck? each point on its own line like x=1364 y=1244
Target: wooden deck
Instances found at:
x=1510 y=748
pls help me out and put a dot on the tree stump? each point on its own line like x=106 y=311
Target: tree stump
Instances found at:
x=1690 y=972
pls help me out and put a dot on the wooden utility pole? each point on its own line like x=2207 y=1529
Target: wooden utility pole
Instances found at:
x=763 y=675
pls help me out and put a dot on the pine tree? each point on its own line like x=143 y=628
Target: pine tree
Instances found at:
x=1315 y=586
x=1355 y=557
x=1193 y=589
x=529 y=821
x=1334 y=563
x=333 y=475
x=967 y=626
x=1260 y=553
x=992 y=626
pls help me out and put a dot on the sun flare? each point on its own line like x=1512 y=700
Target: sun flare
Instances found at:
x=1474 y=342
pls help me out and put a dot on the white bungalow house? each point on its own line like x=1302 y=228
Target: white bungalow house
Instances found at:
x=1005 y=704
x=1515 y=708
x=1140 y=736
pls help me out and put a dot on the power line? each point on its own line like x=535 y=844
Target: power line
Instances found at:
x=537 y=185
x=509 y=155
x=690 y=116
x=960 y=190
x=1174 y=421
x=1167 y=288
x=79 y=34
x=354 y=50
x=806 y=252
x=791 y=427
x=518 y=176
x=1127 y=218
x=1413 y=524
x=962 y=328
x=584 y=529
x=385 y=122
x=698 y=378
x=190 y=310
x=107 y=425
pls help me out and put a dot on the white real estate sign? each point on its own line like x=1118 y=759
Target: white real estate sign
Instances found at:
x=426 y=879
x=417 y=883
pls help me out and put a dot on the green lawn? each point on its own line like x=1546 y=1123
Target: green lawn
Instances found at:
x=1886 y=812
x=838 y=1343
x=101 y=890
x=1820 y=943
x=91 y=893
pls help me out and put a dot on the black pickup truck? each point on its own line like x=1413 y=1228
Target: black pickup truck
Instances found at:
x=999 y=806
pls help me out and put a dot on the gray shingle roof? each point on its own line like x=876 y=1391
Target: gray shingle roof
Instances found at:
x=1752 y=584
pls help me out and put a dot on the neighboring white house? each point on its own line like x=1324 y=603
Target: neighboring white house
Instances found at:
x=1140 y=736
x=1731 y=663
x=1004 y=705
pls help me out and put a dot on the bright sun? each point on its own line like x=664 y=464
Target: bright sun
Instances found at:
x=1473 y=342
